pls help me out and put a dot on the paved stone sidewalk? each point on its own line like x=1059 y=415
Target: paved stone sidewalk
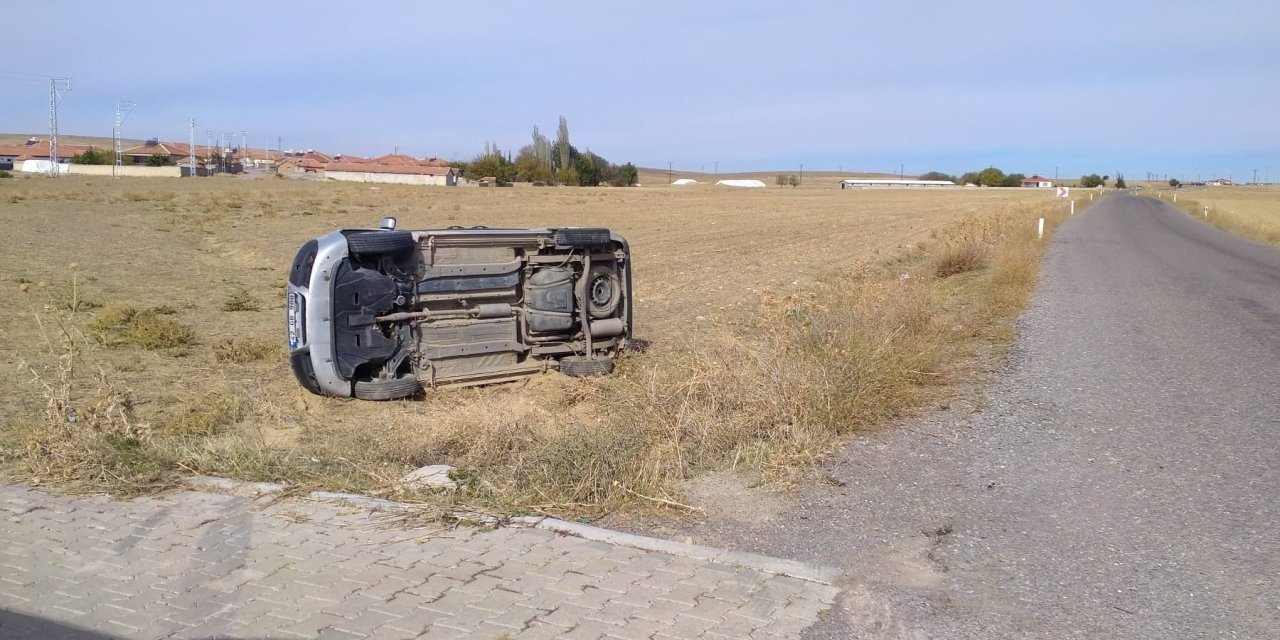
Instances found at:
x=202 y=565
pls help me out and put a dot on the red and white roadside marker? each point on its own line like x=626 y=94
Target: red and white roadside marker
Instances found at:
x=1063 y=192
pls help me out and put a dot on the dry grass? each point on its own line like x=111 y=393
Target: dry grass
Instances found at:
x=1249 y=211
x=777 y=322
x=146 y=329
x=240 y=300
x=245 y=350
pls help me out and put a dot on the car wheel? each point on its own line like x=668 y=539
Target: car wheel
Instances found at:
x=582 y=367
x=582 y=237
x=604 y=292
x=403 y=387
x=379 y=241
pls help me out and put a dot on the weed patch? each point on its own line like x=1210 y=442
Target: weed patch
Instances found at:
x=146 y=329
x=207 y=416
x=245 y=350
x=240 y=300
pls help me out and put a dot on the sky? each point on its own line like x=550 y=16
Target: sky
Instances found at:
x=1187 y=89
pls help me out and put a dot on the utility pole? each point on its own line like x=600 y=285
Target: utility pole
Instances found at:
x=801 y=181
x=191 y=149
x=668 y=173
x=55 y=98
x=122 y=111
x=901 y=169
x=1255 y=176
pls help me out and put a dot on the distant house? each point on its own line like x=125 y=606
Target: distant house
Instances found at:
x=8 y=154
x=390 y=173
x=177 y=152
x=289 y=166
x=1220 y=182
x=311 y=165
x=33 y=155
x=1037 y=182
x=256 y=159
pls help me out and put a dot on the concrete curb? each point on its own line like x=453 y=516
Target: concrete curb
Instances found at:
x=234 y=487
x=766 y=564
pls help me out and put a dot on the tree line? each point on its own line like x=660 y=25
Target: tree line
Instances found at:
x=95 y=156
x=546 y=161
x=994 y=177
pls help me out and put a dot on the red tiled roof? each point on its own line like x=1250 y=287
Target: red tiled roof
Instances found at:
x=1036 y=178
x=317 y=157
x=311 y=163
x=398 y=159
x=257 y=155
x=371 y=167
x=41 y=150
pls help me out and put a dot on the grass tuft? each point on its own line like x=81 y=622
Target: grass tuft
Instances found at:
x=245 y=350
x=209 y=415
x=240 y=300
x=147 y=329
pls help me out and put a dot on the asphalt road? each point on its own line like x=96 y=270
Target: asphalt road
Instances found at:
x=1122 y=480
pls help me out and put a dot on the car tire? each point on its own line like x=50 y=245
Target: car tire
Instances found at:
x=582 y=367
x=362 y=242
x=403 y=387
x=600 y=309
x=582 y=237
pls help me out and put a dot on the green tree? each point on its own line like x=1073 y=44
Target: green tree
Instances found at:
x=970 y=177
x=92 y=156
x=1091 y=180
x=531 y=168
x=1120 y=183
x=990 y=177
x=490 y=163
x=625 y=176
x=1013 y=180
x=589 y=166
x=159 y=160
x=937 y=175
x=563 y=148
x=1175 y=183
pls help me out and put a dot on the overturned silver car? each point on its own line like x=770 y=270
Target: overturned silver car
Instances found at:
x=380 y=313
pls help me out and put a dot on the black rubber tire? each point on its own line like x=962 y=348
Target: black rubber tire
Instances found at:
x=582 y=237
x=582 y=367
x=405 y=386
x=615 y=288
x=362 y=242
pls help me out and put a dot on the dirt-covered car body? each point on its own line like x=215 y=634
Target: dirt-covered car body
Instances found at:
x=379 y=314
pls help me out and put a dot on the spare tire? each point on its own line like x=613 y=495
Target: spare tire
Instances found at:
x=583 y=366
x=359 y=242
x=604 y=291
x=403 y=387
